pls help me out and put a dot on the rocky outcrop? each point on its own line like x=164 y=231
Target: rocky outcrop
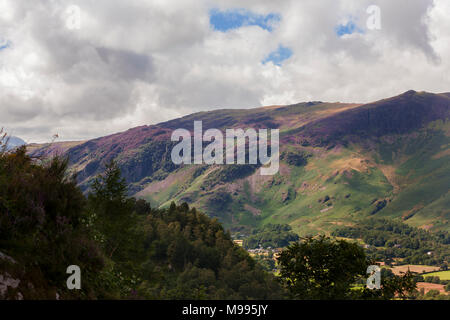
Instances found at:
x=8 y=282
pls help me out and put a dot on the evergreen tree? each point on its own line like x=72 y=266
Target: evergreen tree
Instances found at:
x=114 y=211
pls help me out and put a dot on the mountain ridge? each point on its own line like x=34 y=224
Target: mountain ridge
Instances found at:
x=366 y=158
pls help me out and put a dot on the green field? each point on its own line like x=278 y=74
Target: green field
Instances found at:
x=443 y=275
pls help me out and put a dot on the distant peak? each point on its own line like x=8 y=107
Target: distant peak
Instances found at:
x=313 y=103
x=14 y=142
x=410 y=92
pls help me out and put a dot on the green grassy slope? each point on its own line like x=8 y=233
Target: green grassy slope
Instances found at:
x=402 y=175
x=389 y=158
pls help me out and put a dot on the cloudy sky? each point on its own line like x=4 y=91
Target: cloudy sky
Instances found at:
x=85 y=69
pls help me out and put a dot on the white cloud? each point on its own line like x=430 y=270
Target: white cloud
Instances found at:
x=142 y=62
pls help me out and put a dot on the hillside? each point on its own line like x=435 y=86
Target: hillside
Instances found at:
x=339 y=163
x=124 y=248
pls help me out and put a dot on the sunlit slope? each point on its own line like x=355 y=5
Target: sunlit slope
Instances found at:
x=403 y=174
x=339 y=163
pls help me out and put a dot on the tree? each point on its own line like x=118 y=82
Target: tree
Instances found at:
x=42 y=225
x=322 y=268
x=432 y=293
x=110 y=186
x=114 y=211
x=398 y=286
x=46 y=224
x=142 y=207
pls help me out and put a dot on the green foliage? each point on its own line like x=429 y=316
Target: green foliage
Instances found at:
x=266 y=261
x=398 y=286
x=390 y=239
x=270 y=235
x=42 y=227
x=110 y=186
x=125 y=249
x=197 y=259
x=392 y=287
x=141 y=206
x=321 y=268
x=114 y=211
x=432 y=294
x=378 y=206
x=432 y=279
x=297 y=159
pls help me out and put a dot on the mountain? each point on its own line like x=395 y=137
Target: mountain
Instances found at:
x=340 y=162
x=14 y=142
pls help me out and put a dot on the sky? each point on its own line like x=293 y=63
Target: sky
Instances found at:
x=84 y=69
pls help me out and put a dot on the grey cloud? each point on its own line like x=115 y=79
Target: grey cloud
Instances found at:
x=99 y=101
x=406 y=22
x=139 y=62
x=128 y=65
x=16 y=109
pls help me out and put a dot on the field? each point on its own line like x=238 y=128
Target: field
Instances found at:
x=414 y=268
x=431 y=286
x=443 y=275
